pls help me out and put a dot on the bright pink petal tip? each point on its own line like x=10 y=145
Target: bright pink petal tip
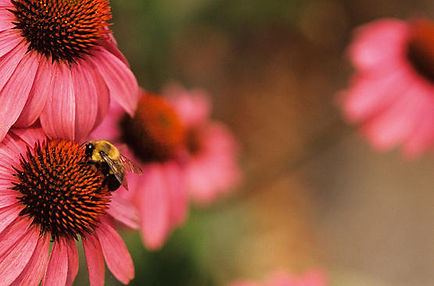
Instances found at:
x=390 y=97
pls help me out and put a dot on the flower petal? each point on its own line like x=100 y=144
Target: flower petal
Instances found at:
x=29 y=135
x=95 y=260
x=72 y=261
x=57 y=269
x=177 y=193
x=6 y=19
x=8 y=197
x=9 y=39
x=153 y=208
x=35 y=269
x=15 y=93
x=86 y=101
x=13 y=233
x=119 y=79
x=123 y=211
x=116 y=254
x=58 y=115
x=7 y=216
x=38 y=94
x=13 y=261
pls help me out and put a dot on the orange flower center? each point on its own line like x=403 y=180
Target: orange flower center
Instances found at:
x=155 y=133
x=421 y=48
x=60 y=192
x=62 y=29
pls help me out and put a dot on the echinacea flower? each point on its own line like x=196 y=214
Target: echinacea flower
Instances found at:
x=212 y=169
x=283 y=278
x=391 y=94
x=50 y=193
x=59 y=63
x=154 y=138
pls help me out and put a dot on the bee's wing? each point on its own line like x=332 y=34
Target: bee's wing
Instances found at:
x=129 y=165
x=117 y=169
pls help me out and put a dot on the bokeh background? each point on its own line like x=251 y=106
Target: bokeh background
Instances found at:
x=314 y=193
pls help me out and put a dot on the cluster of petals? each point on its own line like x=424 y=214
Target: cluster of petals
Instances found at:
x=25 y=256
x=389 y=97
x=211 y=171
x=158 y=195
x=69 y=99
x=283 y=278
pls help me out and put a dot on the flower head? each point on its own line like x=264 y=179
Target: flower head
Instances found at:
x=212 y=169
x=60 y=65
x=50 y=193
x=392 y=92
x=154 y=137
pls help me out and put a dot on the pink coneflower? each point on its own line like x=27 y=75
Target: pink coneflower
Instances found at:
x=50 y=193
x=392 y=92
x=311 y=278
x=212 y=169
x=59 y=63
x=154 y=137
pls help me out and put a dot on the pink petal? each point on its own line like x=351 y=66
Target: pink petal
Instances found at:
x=111 y=45
x=178 y=197
x=95 y=260
x=15 y=260
x=154 y=211
x=12 y=233
x=103 y=92
x=14 y=94
x=119 y=79
x=58 y=116
x=38 y=95
x=116 y=254
x=29 y=135
x=8 y=215
x=86 y=101
x=9 y=39
x=57 y=269
x=35 y=269
x=379 y=43
x=72 y=261
x=108 y=127
x=123 y=211
x=6 y=19
x=8 y=197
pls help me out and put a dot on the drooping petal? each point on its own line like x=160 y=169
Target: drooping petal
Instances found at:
x=86 y=101
x=116 y=254
x=94 y=260
x=58 y=116
x=57 y=269
x=111 y=45
x=178 y=197
x=35 y=269
x=15 y=84
x=38 y=94
x=123 y=211
x=153 y=208
x=72 y=261
x=12 y=233
x=119 y=79
x=16 y=258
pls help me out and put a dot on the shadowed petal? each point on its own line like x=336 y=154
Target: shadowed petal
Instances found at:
x=72 y=261
x=123 y=211
x=116 y=254
x=58 y=115
x=57 y=269
x=95 y=260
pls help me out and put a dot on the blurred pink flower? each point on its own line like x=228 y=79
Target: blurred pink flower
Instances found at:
x=212 y=169
x=281 y=278
x=392 y=92
x=154 y=138
x=60 y=64
x=47 y=193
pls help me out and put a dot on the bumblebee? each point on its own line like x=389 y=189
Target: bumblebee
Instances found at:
x=111 y=162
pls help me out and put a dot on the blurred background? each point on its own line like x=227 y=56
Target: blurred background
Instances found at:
x=314 y=194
